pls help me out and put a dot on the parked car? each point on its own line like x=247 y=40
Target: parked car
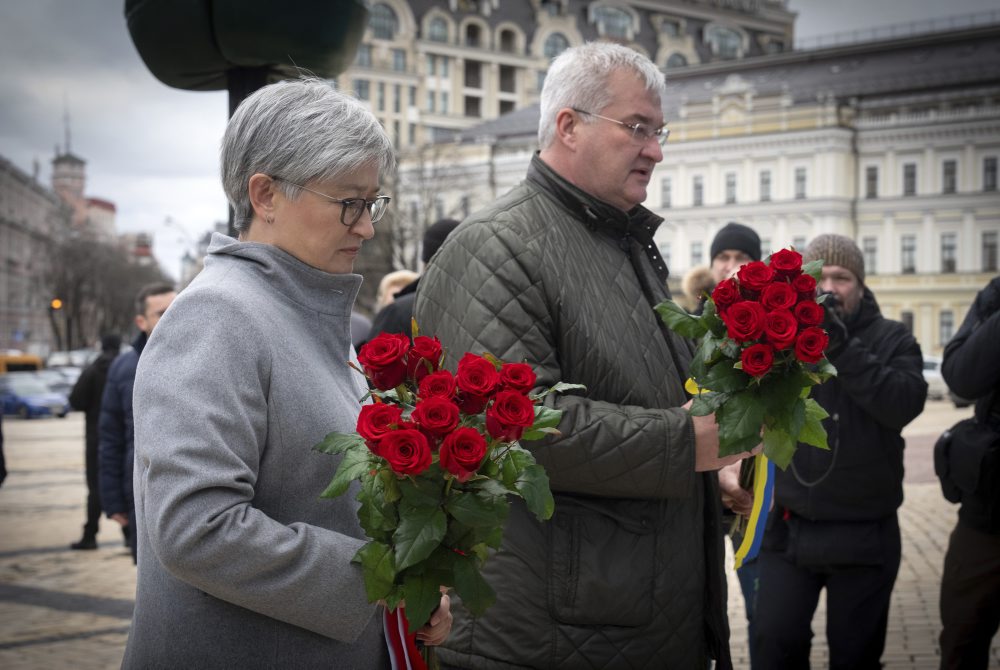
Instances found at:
x=80 y=358
x=937 y=389
x=28 y=397
x=55 y=380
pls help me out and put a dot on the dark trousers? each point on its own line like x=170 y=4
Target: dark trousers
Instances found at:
x=857 y=607
x=970 y=598
x=93 y=494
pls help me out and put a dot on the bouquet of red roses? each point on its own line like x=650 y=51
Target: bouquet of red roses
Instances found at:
x=437 y=456
x=761 y=349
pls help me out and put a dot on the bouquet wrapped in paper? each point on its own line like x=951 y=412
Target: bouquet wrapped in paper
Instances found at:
x=761 y=349
x=437 y=457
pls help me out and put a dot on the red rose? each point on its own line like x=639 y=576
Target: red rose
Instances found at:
x=477 y=376
x=408 y=451
x=780 y=328
x=423 y=358
x=786 y=263
x=435 y=416
x=727 y=293
x=809 y=313
x=462 y=451
x=508 y=416
x=384 y=360
x=811 y=344
x=778 y=295
x=757 y=359
x=376 y=420
x=805 y=286
x=754 y=276
x=744 y=320
x=440 y=384
x=517 y=377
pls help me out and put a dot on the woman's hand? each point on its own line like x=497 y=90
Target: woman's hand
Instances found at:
x=439 y=627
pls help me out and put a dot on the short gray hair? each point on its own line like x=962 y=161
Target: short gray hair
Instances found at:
x=298 y=130
x=578 y=77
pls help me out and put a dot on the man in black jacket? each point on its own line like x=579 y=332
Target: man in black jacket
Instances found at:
x=86 y=397
x=834 y=522
x=970 y=585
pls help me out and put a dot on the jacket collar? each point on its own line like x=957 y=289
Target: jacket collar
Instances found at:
x=596 y=214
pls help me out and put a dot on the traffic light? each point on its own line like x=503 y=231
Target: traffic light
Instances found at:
x=55 y=304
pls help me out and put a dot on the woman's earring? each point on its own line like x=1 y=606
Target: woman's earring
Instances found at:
x=270 y=220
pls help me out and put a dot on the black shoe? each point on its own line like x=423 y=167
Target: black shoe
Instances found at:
x=85 y=543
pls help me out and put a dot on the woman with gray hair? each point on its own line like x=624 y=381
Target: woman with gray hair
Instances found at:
x=241 y=564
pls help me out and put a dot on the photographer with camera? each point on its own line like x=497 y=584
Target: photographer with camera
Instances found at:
x=834 y=522
x=970 y=584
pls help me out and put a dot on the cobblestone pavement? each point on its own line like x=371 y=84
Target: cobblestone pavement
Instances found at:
x=62 y=608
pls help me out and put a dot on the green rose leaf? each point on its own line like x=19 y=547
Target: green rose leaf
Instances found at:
x=420 y=531
x=564 y=386
x=814 y=269
x=338 y=443
x=476 y=593
x=422 y=594
x=513 y=464
x=379 y=570
x=740 y=421
x=478 y=509
x=724 y=378
x=813 y=431
x=488 y=486
x=356 y=461
x=780 y=393
x=420 y=492
x=779 y=446
x=825 y=369
x=533 y=485
x=678 y=320
x=706 y=403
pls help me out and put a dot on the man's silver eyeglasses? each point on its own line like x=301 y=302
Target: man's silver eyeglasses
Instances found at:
x=351 y=208
x=641 y=133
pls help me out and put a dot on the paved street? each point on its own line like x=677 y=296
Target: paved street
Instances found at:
x=60 y=608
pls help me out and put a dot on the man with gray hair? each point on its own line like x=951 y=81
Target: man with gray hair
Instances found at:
x=562 y=272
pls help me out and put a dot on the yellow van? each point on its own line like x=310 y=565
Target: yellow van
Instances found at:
x=19 y=362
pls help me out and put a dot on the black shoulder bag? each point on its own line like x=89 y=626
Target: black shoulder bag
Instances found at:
x=966 y=459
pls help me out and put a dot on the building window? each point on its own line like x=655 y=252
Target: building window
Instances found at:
x=399 y=60
x=473 y=35
x=554 y=45
x=445 y=102
x=383 y=22
x=397 y=137
x=473 y=74
x=508 y=41
x=397 y=98
x=613 y=22
x=908 y=254
x=946 y=326
x=990 y=173
x=774 y=47
x=948 y=255
x=800 y=183
x=364 y=57
x=910 y=179
x=444 y=65
x=508 y=79
x=765 y=185
x=990 y=251
x=906 y=317
x=725 y=42
x=730 y=188
x=765 y=247
x=799 y=243
x=676 y=60
x=431 y=65
x=869 y=253
x=413 y=96
x=666 y=186
x=431 y=102
x=948 y=169
x=697 y=192
x=472 y=106
x=670 y=28
x=380 y=101
x=871 y=182
x=665 y=253
x=696 y=254
x=412 y=133
x=506 y=107
x=438 y=31
x=361 y=88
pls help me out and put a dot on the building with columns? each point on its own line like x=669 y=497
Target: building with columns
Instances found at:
x=893 y=142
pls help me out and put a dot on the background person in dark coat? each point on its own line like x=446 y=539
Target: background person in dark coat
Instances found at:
x=970 y=585
x=115 y=429
x=834 y=522
x=397 y=315
x=86 y=397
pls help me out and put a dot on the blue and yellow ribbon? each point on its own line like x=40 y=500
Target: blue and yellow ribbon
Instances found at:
x=763 y=491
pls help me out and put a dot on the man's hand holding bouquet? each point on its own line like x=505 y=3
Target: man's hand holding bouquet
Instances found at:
x=760 y=351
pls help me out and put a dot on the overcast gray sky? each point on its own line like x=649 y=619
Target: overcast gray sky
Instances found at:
x=153 y=150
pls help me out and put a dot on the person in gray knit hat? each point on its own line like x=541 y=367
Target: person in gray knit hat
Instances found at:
x=835 y=524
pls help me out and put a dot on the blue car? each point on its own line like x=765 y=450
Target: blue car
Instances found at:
x=28 y=397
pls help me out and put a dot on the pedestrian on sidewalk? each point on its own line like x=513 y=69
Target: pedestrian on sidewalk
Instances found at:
x=86 y=397
x=970 y=583
x=834 y=524
x=116 y=426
